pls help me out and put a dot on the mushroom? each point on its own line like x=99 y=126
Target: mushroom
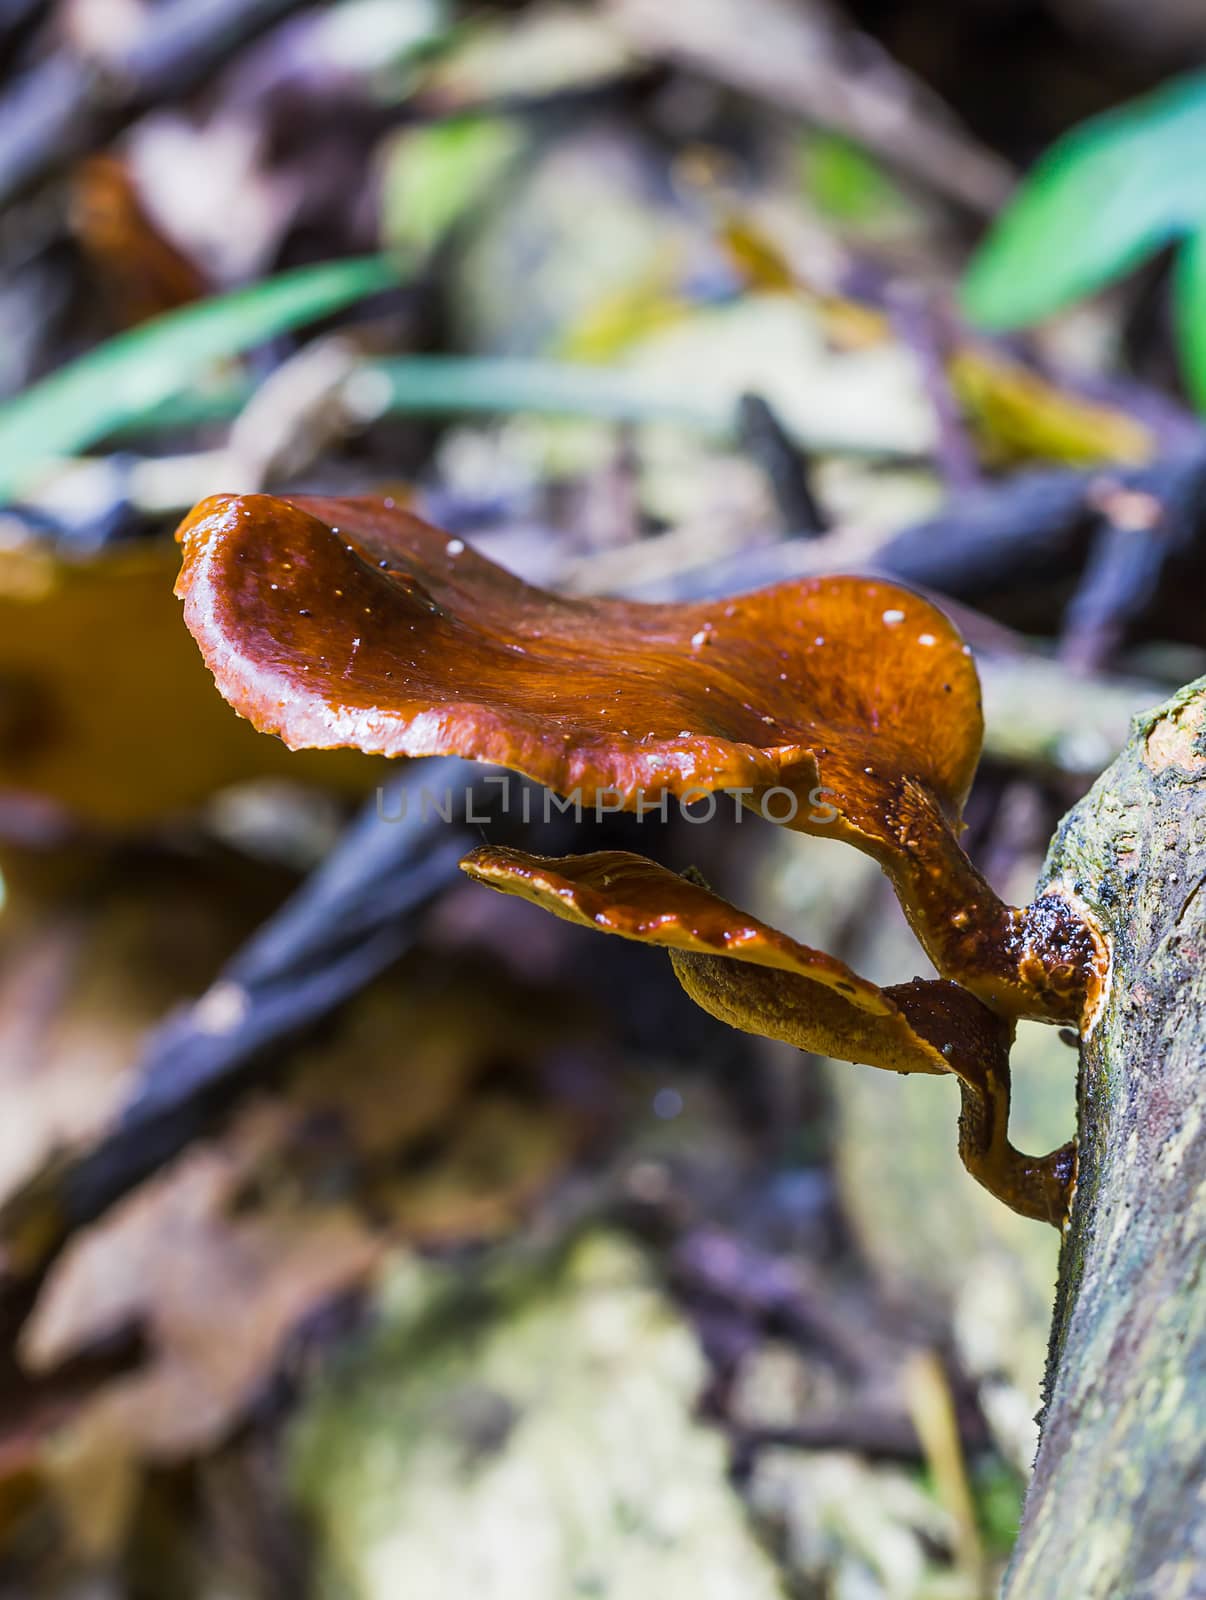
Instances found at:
x=838 y=706
x=761 y=981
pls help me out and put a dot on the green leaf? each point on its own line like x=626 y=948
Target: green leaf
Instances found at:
x=845 y=182
x=129 y=375
x=436 y=175
x=1189 y=292
x=1101 y=199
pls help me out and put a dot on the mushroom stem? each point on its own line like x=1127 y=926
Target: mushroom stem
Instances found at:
x=1046 y=961
x=977 y=1046
x=1039 y=1187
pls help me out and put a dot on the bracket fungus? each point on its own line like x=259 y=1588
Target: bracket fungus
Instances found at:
x=840 y=706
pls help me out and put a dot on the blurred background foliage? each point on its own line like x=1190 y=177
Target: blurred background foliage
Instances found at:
x=363 y=1234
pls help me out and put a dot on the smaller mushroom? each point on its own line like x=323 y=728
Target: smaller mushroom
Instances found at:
x=757 y=979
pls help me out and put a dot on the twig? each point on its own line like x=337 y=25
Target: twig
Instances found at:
x=1141 y=531
x=932 y=1408
x=870 y=1431
x=351 y=918
x=920 y=330
x=69 y=104
x=800 y=58
x=785 y=465
x=712 y=1263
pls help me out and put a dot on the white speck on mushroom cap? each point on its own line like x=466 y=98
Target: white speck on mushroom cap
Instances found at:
x=454 y=547
x=926 y=638
x=893 y=617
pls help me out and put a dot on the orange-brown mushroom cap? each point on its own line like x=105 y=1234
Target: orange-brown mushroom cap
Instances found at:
x=350 y=622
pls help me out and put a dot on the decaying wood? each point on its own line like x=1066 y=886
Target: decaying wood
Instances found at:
x=1115 y=1505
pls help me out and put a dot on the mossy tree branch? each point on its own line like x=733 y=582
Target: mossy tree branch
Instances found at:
x=1114 y=1508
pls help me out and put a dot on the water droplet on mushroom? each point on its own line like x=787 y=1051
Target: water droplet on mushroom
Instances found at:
x=820 y=639
x=304 y=613
x=454 y=547
x=893 y=617
x=926 y=638
x=698 y=640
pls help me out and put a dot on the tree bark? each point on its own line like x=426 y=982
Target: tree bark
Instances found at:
x=1115 y=1505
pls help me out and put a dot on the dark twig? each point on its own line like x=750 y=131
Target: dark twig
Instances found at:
x=713 y=1264
x=69 y=105
x=870 y=1431
x=787 y=468
x=921 y=329
x=1033 y=536
x=1140 y=533
x=1033 y=528
x=18 y=18
x=808 y=62
x=352 y=917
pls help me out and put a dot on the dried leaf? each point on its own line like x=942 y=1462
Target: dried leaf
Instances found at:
x=216 y=1291
x=105 y=710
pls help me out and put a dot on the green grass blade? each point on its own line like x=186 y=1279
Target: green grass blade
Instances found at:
x=451 y=385
x=467 y=386
x=1189 y=293
x=128 y=376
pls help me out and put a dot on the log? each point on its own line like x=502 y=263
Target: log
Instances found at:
x=1114 y=1507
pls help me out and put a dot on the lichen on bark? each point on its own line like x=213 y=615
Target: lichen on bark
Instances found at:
x=1116 y=1494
